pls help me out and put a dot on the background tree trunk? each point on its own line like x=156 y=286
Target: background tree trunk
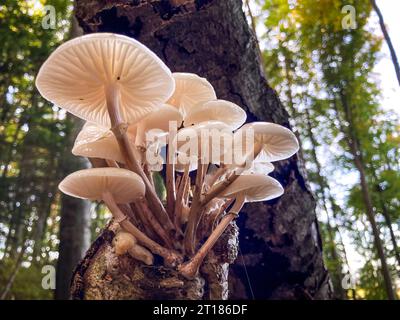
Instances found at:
x=74 y=224
x=279 y=240
x=388 y=40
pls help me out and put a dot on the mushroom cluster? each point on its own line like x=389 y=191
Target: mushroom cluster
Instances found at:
x=141 y=119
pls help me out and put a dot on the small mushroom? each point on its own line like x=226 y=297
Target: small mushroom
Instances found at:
x=275 y=141
x=114 y=186
x=142 y=254
x=190 y=89
x=94 y=141
x=247 y=188
x=122 y=242
x=216 y=110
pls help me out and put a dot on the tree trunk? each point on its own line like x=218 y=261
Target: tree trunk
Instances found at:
x=74 y=224
x=386 y=215
x=388 y=40
x=355 y=151
x=280 y=239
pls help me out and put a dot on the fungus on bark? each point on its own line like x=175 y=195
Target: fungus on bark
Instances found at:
x=126 y=91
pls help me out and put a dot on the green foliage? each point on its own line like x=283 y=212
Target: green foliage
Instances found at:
x=31 y=142
x=28 y=283
x=160 y=186
x=324 y=74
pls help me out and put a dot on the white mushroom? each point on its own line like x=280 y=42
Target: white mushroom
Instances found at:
x=114 y=186
x=247 y=188
x=190 y=89
x=81 y=74
x=94 y=141
x=275 y=141
x=216 y=110
x=114 y=81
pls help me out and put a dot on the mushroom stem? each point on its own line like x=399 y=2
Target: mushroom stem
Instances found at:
x=195 y=209
x=148 y=174
x=155 y=225
x=218 y=188
x=119 y=129
x=191 y=268
x=140 y=138
x=171 y=258
x=144 y=221
x=218 y=214
x=112 y=163
x=182 y=195
x=217 y=174
x=170 y=176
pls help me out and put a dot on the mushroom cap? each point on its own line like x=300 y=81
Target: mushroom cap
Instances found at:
x=76 y=74
x=216 y=110
x=219 y=139
x=190 y=89
x=259 y=167
x=254 y=187
x=160 y=118
x=94 y=141
x=125 y=186
x=277 y=142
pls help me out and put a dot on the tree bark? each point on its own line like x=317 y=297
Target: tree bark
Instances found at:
x=280 y=240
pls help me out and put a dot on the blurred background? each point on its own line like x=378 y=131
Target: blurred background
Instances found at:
x=334 y=69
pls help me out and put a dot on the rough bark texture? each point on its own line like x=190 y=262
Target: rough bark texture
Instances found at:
x=279 y=240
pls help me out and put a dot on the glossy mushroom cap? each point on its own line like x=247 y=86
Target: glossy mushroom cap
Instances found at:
x=125 y=186
x=277 y=142
x=216 y=110
x=255 y=187
x=215 y=138
x=94 y=141
x=77 y=73
x=190 y=89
